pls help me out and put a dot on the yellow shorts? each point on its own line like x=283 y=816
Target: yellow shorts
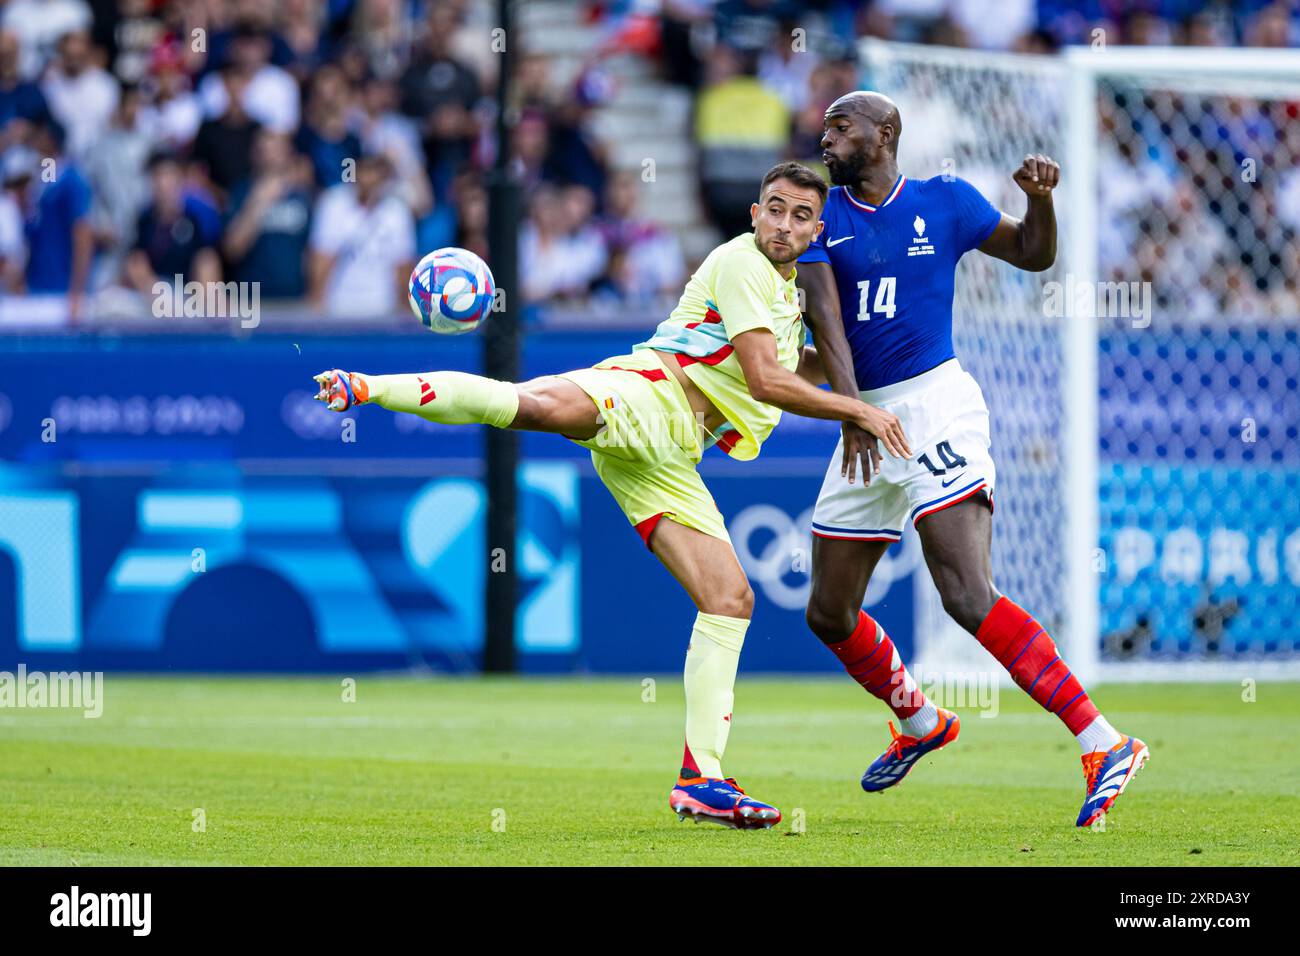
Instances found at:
x=648 y=448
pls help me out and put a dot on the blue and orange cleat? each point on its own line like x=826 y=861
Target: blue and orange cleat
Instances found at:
x=1106 y=773
x=903 y=752
x=720 y=801
x=341 y=390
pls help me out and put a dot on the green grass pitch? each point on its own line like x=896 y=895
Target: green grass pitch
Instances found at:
x=577 y=771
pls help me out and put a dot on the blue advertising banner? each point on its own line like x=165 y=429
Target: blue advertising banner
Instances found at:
x=207 y=568
x=169 y=399
x=182 y=502
x=1200 y=492
x=1204 y=561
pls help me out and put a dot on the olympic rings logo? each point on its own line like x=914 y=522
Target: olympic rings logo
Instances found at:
x=776 y=552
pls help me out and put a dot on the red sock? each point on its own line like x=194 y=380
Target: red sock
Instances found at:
x=1027 y=651
x=690 y=768
x=877 y=667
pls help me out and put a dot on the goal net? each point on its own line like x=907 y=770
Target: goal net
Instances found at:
x=1142 y=392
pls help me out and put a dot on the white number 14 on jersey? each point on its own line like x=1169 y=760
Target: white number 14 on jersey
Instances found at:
x=884 y=304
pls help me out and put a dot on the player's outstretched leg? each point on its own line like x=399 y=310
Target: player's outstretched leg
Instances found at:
x=956 y=544
x=548 y=404
x=841 y=569
x=453 y=398
x=709 y=570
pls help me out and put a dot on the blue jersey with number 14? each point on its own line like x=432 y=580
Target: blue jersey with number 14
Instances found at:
x=895 y=266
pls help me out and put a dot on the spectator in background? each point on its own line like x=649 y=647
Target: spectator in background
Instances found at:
x=529 y=147
x=1207 y=28
x=911 y=21
x=268 y=93
x=449 y=147
x=1145 y=28
x=362 y=245
x=678 y=24
x=806 y=137
x=785 y=70
x=471 y=204
x=573 y=154
x=181 y=20
x=531 y=88
x=348 y=56
x=174 y=234
x=543 y=260
x=39 y=24
x=1135 y=189
x=16 y=169
x=993 y=24
x=270 y=216
x=1287 y=160
x=172 y=115
x=224 y=146
x=645 y=259
x=324 y=137
x=301 y=25
x=115 y=169
x=225 y=21
x=742 y=129
x=435 y=80
x=587 y=252
x=459 y=221
x=19 y=99
x=1271 y=27
x=136 y=32
x=471 y=41
x=835 y=74
x=439 y=92
x=383 y=35
x=1285 y=295
x=60 y=237
x=561 y=253
x=384 y=130
x=1037 y=42
x=1241 y=297
x=82 y=95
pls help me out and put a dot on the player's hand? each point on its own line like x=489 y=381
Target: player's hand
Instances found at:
x=1037 y=175
x=340 y=390
x=859 y=447
x=885 y=426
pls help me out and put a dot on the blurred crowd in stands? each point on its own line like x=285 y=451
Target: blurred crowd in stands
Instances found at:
x=318 y=147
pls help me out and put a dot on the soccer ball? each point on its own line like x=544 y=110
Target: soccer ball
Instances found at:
x=451 y=291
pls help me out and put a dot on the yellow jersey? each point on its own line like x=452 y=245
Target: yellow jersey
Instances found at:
x=736 y=289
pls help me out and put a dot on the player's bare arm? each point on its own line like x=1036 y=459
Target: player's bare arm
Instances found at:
x=822 y=308
x=810 y=367
x=771 y=383
x=1029 y=243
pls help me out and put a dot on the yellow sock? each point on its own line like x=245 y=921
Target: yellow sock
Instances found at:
x=710 y=678
x=452 y=398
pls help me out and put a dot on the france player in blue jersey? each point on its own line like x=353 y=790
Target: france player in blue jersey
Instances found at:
x=878 y=285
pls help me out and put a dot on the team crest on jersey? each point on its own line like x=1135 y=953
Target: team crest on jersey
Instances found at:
x=920 y=246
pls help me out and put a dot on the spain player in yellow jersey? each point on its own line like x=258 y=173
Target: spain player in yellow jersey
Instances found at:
x=720 y=370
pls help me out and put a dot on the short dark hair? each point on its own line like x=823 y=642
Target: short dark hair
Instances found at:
x=798 y=174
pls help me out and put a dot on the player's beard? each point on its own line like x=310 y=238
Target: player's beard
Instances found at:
x=779 y=256
x=847 y=172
